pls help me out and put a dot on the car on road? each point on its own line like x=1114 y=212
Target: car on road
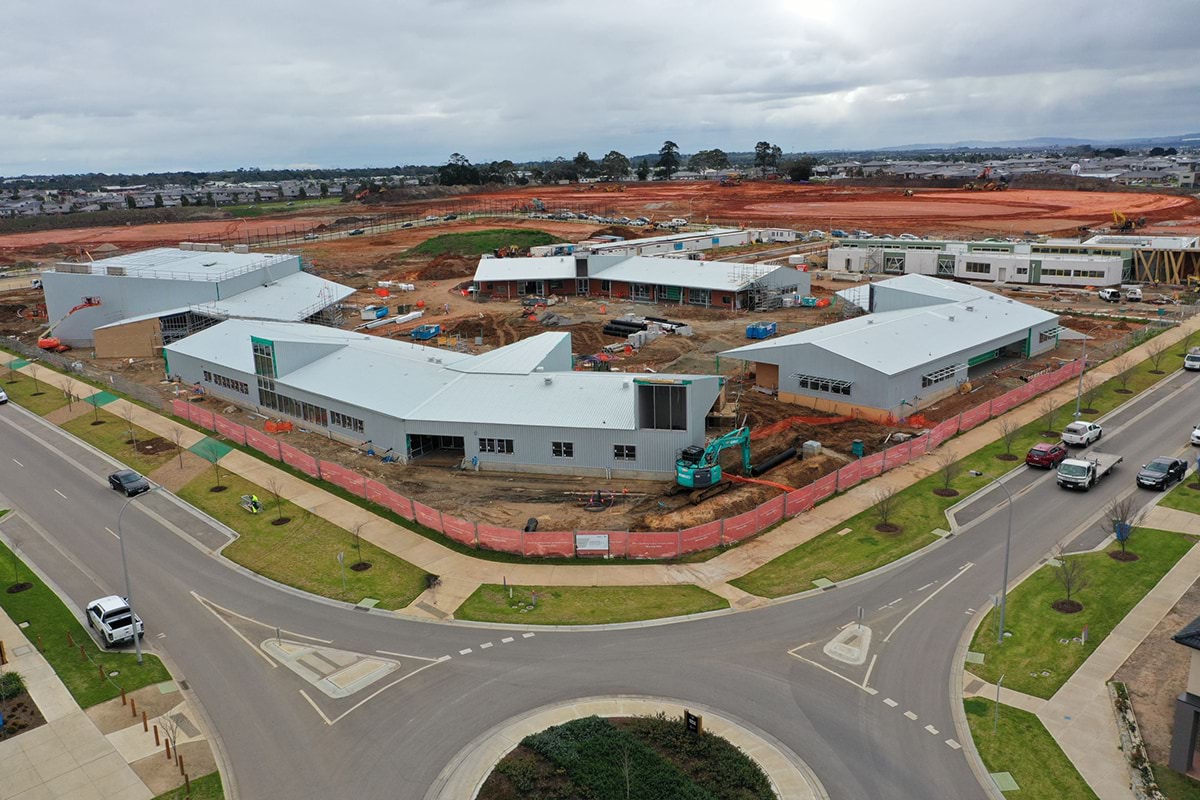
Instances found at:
x=308 y=237
x=1191 y=361
x=1196 y=435
x=128 y=481
x=1046 y=455
x=114 y=620
x=838 y=233
x=3 y=397
x=909 y=237
x=432 y=218
x=356 y=232
x=407 y=225
x=1161 y=472
x=1081 y=434
x=450 y=217
x=816 y=234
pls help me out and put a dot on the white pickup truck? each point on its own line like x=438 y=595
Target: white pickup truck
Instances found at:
x=1084 y=473
x=1081 y=434
x=114 y=620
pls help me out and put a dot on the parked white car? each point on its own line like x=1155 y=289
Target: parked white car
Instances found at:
x=1192 y=360
x=1196 y=435
x=3 y=397
x=1133 y=295
x=1081 y=434
x=112 y=618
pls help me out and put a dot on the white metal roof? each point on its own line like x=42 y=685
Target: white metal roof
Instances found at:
x=185 y=265
x=416 y=383
x=530 y=268
x=1136 y=240
x=897 y=341
x=687 y=236
x=659 y=271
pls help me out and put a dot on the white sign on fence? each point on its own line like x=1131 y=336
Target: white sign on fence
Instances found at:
x=591 y=541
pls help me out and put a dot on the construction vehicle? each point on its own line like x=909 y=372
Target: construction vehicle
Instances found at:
x=731 y=180
x=614 y=187
x=1124 y=223
x=908 y=193
x=48 y=342
x=699 y=468
x=1084 y=473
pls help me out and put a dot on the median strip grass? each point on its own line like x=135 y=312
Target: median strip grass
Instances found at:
x=1022 y=747
x=39 y=396
x=585 y=605
x=1047 y=641
x=918 y=510
x=1183 y=497
x=303 y=552
x=49 y=618
x=107 y=432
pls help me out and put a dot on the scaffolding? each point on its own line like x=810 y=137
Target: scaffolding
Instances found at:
x=873 y=265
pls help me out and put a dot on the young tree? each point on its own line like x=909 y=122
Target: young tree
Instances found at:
x=1156 y=350
x=1123 y=369
x=643 y=170
x=1048 y=411
x=886 y=499
x=1008 y=435
x=948 y=468
x=668 y=159
x=34 y=371
x=65 y=385
x=1073 y=577
x=1091 y=390
x=274 y=486
x=1120 y=517
x=177 y=438
x=358 y=526
x=128 y=412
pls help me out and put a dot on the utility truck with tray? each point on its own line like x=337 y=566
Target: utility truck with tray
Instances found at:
x=1084 y=473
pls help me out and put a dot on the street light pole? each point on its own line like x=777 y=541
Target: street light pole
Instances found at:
x=1007 y=551
x=1083 y=358
x=137 y=642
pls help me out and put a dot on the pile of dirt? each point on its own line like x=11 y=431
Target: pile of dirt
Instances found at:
x=622 y=231
x=440 y=268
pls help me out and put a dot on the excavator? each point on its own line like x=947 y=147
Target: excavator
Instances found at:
x=698 y=469
x=1124 y=223
x=731 y=180
x=48 y=342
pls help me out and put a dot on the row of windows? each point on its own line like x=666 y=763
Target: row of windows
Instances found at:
x=621 y=452
x=1055 y=272
x=226 y=383
x=979 y=267
x=939 y=375
x=504 y=446
x=829 y=385
x=346 y=421
x=292 y=407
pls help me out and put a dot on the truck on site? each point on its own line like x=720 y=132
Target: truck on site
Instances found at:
x=1084 y=473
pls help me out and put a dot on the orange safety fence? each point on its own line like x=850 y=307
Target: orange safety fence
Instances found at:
x=270 y=426
x=761 y=482
x=784 y=424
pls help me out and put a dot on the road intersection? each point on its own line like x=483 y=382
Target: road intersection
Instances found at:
x=309 y=697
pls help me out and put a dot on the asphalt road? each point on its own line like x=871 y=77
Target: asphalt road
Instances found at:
x=854 y=725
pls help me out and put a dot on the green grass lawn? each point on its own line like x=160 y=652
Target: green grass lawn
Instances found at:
x=49 y=618
x=41 y=396
x=303 y=553
x=1022 y=747
x=1183 y=497
x=474 y=243
x=112 y=436
x=919 y=511
x=1174 y=785
x=586 y=605
x=1037 y=629
x=281 y=207
x=206 y=787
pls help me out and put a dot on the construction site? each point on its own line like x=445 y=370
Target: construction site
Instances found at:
x=383 y=272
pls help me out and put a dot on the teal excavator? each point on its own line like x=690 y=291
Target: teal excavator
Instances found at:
x=698 y=469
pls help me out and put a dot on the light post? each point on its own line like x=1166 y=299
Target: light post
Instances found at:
x=137 y=642
x=1007 y=548
x=1083 y=358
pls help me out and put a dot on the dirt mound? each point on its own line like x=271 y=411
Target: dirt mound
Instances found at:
x=622 y=231
x=440 y=268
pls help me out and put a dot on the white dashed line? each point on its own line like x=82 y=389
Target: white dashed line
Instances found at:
x=464 y=652
x=19 y=464
x=526 y=635
x=932 y=729
x=506 y=640
x=60 y=494
x=887 y=701
x=444 y=658
x=910 y=715
x=953 y=744
x=485 y=645
x=926 y=586
x=114 y=535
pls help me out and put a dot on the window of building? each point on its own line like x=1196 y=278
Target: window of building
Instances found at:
x=227 y=383
x=208 y=376
x=624 y=452
x=816 y=383
x=979 y=268
x=502 y=446
x=562 y=449
x=940 y=375
x=346 y=421
x=1022 y=270
x=606 y=286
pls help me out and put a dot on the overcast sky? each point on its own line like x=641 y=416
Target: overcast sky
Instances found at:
x=136 y=86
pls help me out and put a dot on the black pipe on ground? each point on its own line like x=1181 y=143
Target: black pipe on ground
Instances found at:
x=772 y=462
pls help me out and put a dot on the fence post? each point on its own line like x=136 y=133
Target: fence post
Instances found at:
x=721 y=535
x=910 y=444
x=678 y=543
x=475 y=526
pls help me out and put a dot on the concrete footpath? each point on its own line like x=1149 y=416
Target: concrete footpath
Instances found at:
x=68 y=757
x=1080 y=715
x=462 y=574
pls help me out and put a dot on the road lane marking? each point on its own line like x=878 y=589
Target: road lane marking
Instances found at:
x=850 y=681
x=911 y=715
x=114 y=535
x=236 y=632
x=506 y=640
x=953 y=744
x=315 y=707
x=378 y=692
x=464 y=652
x=60 y=494
x=444 y=658
x=961 y=571
x=887 y=701
x=19 y=464
x=870 y=667
x=407 y=655
x=926 y=586
x=932 y=729
x=485 y=645
x=527 y=635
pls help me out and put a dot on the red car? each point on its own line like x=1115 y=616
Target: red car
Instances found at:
x=1046 y=455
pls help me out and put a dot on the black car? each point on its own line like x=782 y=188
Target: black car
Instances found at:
x=129 y=482
x=1161 y=472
